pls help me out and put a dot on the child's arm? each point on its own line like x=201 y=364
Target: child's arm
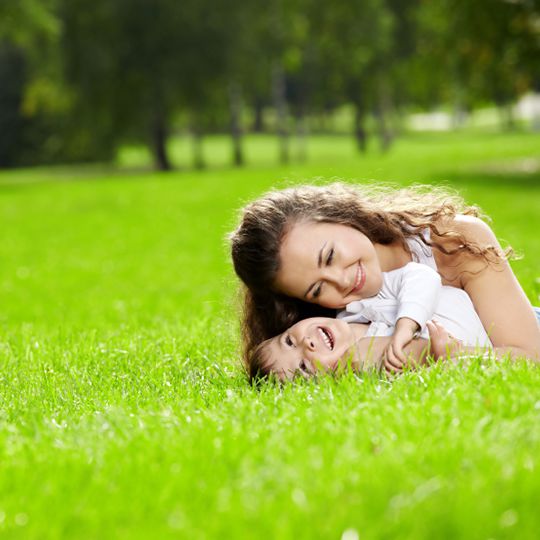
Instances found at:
x=370 y=353
x=395 y=354
x=417 y=290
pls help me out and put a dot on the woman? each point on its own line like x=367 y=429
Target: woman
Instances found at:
x=310 y=250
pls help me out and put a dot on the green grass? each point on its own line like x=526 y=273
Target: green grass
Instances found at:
x=123 y=410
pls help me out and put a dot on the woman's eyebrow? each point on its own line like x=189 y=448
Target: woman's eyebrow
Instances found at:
x=319 y=264
x=319 y=260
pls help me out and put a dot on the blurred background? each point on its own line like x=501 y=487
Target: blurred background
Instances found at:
x=124 y=411
x=120 y=80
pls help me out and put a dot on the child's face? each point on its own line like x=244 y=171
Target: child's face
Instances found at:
x=328 y=264
x=309 y=346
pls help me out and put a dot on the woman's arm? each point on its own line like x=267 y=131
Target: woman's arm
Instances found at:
x=498 y=298
x=445 y=347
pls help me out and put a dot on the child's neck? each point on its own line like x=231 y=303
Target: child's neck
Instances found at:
x=365 y=357
x=358 y=330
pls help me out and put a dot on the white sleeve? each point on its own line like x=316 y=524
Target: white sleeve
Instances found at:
x=417 y=289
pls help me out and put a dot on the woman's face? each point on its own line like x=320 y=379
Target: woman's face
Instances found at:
x=312 y=345
x=328 y=264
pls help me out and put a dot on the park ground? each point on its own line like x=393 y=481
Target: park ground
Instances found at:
x=124 y=412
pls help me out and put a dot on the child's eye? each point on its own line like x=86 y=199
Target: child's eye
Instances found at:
x=317 y=291
x=330 y=257
x=288 y=341
x=303 y=367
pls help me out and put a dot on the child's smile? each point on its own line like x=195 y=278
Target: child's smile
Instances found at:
x=309 y=346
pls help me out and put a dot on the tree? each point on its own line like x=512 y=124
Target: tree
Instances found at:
x=352 y=39
x=136 y=63
x=28 y=34
x=477 y=51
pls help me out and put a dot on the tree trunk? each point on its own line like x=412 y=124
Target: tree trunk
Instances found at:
x=198 y=154
x=506 y=114
x=280 y=104
x=459 y=112
x=258 y=119
x=360 y=133
x=381 y=110
x=399 y=121
x=159 y=141
x=301 y=134
x=235 y=105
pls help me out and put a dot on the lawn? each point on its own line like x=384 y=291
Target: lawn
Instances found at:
x=124 y=412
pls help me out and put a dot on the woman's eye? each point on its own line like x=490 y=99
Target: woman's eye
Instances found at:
x=288 y=341
x=330 y=257
x=317 y=291
x=303 y=367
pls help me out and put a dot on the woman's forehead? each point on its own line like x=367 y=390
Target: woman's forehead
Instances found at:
x=307 y=236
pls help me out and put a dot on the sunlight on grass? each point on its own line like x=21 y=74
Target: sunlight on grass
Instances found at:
x=124 y=412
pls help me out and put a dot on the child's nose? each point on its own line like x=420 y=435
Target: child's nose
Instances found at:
x=309 y=343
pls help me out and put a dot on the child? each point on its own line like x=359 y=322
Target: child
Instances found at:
x=408 y=298
x=327 y=344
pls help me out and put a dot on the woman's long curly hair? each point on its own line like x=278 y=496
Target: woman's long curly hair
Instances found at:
x=385 y=215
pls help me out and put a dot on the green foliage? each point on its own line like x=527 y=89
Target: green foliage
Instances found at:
x=13 y=75
x=479 y=50
x=123 y=409
x=25 y=22
x=134 y=64
x=122 y=71
x=39 y=122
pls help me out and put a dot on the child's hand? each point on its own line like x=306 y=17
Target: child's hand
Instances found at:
x=442 y=344
x=394 y=357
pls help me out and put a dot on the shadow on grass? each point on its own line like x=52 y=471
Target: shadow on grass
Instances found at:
x=25 y=178
x=491 y=179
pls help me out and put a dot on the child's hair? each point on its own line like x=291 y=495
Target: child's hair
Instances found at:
x=259 y=364
x=384 y=214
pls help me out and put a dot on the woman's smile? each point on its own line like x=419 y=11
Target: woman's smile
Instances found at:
x=360 y=279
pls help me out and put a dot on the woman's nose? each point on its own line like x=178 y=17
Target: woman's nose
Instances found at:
x=337 y=277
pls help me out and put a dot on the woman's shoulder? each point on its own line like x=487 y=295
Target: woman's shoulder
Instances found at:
x=456 y=264
x=471 y=228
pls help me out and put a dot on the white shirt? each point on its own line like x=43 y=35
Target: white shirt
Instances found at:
x=415 y=291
